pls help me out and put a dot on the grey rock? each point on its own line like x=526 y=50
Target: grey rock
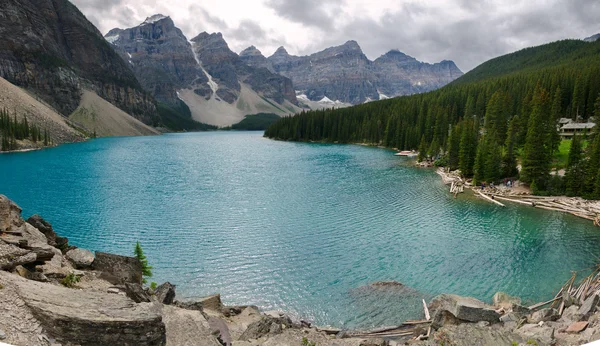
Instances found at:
x=520 y=309
x=219 y=327
x=89 y=317
x=571 y=314
x=25 y=273
x=267 y=325
x=442 y=318
x=212 y=302
x=2 y=335
x=189 y=305
x=589 y=306
x=187 y=327
x=543 y=315
x=511 y=317
x=542 y=334
x=468 y=334
x=464 y=308
x=505 y=301
x=117 y=269
x=81 y=258
x=44 y=227
x=165 y=293
x=136 y=293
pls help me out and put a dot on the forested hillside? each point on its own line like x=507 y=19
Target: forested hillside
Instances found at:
x=502 y=113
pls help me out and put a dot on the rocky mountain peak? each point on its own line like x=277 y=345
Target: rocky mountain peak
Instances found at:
x=155 y=18
x=281 y=51
x=396 y=56
x=251 y=51
x=351 y=45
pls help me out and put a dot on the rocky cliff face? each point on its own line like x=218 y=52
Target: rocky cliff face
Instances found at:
x=50 y=48
x=230 y=70
x=214 y=82
x=159 y=55
x=346 y=75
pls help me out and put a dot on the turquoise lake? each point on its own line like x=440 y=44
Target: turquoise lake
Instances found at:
x=293 y=226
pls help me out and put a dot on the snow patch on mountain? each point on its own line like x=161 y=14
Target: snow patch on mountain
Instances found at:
x=112 y=39
x=211 y=83
x=153 y=19
x=382 y=96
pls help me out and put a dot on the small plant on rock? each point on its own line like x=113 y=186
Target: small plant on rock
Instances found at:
x=139 y=254
x=153 y=285
x=70 y=280
x=305 y=342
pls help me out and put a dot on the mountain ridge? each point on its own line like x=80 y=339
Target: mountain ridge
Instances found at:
x=318 y=75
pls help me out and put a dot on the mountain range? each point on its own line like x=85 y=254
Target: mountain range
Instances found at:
x=346 y=75
x=220 y=87
x=152 y=74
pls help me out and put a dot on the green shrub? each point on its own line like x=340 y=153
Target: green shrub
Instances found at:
x=305 y=342
x=146 y=269
x=70 y=280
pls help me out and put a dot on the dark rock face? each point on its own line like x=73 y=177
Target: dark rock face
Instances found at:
x=267 y=325
x=136 y=293
x=344 y=73
x=120 y=269
x=230 y=70
x=50 y=48
x=159 y=55
x=165 y=293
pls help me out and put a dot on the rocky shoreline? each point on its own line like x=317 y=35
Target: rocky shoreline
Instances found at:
x=52 y=293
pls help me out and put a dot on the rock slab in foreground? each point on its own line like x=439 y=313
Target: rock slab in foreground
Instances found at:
x=89 y=317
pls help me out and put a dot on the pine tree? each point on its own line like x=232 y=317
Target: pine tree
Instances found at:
x=454 y=146
x=574 y=170
x=422 y=149
x=468 y=148
x=536 y=154
x=139 y=254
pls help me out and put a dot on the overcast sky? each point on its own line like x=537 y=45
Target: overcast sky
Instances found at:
x=466 y=31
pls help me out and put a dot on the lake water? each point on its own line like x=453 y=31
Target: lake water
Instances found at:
x=293 y=226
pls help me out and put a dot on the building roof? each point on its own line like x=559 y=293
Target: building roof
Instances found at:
x=565 y=120
x=578 y=126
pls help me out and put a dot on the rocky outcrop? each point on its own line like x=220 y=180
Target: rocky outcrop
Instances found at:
x=229 y=70
x=81 y=258
x=463 y=308
x=86 y=317
x=117 y=269
x=346 y=75
x=160 y=56
x=50 y=48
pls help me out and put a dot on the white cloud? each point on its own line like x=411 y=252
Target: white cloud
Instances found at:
x=468 y=32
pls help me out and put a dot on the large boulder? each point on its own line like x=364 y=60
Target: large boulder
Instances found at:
x=44 y=227
x=86 y=317
x=10 y=215
x=212 y=303
x=589 y=306
x=265 y=326
x=81 y=258
x=12 y=256
x=544 y=315
x=187 y=327
x=119 y=269
x=165 y=293
x=136 y=293
x=463 y=308
x=505 y=301
x=474 y=335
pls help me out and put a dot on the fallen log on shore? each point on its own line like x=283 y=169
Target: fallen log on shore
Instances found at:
x=489 y=198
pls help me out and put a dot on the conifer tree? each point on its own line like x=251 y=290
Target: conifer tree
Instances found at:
x=574 y=169
x=536 y=154
x=139 y=254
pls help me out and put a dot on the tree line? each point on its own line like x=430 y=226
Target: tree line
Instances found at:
x=13 y=130
x=485 y=123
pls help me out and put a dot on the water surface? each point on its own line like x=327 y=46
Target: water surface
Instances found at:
x=294 y=226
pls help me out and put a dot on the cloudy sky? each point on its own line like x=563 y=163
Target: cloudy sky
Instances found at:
x=466 y=31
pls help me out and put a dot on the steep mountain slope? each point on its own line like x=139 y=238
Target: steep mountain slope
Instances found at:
x=49 y=47
x=212 y=81
x=592 y=38
x=558 y=53
x=104 y=119
x=22 y=104
x=344 y=74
